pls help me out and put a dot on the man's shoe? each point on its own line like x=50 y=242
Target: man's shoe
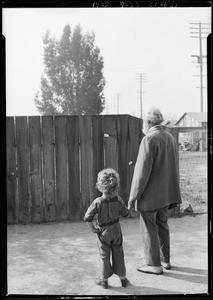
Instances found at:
x=103 y=283
x=125 y=282
x=151 y=270
x=166 y=266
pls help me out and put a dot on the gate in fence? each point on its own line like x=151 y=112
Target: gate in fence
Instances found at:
x=52 y=163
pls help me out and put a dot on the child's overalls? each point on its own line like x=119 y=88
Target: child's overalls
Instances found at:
x=110 y=239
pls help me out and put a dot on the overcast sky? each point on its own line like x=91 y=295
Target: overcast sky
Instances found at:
x=152 y=41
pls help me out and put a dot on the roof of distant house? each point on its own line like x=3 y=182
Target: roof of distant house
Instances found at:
x=169 y=123
x=199 y=116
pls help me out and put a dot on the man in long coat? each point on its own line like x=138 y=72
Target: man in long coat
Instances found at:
x=154 y=190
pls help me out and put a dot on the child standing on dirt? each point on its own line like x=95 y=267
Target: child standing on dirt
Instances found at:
x=108 y=209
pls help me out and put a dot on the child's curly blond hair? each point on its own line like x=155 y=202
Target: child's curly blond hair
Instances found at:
x=108 y=181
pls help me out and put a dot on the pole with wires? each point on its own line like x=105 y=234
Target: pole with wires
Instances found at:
x=141 y=77
x=118 y=102
x=200 y=35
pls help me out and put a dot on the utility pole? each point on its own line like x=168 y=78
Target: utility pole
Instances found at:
x=118 y=102
x=107 y=109
x=199 y=34
x=141 y=77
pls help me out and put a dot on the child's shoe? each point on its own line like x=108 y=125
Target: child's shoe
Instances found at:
x=125 y=282
x=103 y=283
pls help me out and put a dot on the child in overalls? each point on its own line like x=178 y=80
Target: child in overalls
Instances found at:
x=108 y=208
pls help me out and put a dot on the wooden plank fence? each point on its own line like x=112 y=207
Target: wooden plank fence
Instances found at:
x=52 y=163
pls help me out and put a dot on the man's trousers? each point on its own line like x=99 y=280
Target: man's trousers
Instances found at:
x=155 y=236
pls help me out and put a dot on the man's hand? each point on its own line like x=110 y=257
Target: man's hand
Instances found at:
x=131 y=205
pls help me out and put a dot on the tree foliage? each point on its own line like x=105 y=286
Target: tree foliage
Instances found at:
x=72 y=82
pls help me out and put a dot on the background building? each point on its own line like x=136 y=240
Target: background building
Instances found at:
x=196 y=139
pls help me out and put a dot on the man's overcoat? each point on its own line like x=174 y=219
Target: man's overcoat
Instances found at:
x=155 y=182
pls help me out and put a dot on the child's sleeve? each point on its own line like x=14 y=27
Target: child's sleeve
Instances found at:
x=124 y=210
x=91 y=211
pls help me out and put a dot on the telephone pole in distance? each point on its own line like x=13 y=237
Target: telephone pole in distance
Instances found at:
x=141 y=77
x=118 y=102
x=199 y=33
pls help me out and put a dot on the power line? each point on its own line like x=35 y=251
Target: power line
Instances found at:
x=200 y=35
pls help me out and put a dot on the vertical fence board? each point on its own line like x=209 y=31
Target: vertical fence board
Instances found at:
x=123 y=156
x=110 y=142
x=135 y=137
x=11 y=171
x=86 y=162
x=98 y=149
x=36 y=188
x=61 y=168
x=23 y=170
x=48 y=142
x=74 y=195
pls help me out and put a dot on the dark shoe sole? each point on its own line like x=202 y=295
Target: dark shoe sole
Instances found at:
x=149 y=272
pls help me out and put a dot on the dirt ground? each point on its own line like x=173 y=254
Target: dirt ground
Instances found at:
x=62 y=259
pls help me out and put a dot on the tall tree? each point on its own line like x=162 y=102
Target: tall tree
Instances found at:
x=73 y=81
